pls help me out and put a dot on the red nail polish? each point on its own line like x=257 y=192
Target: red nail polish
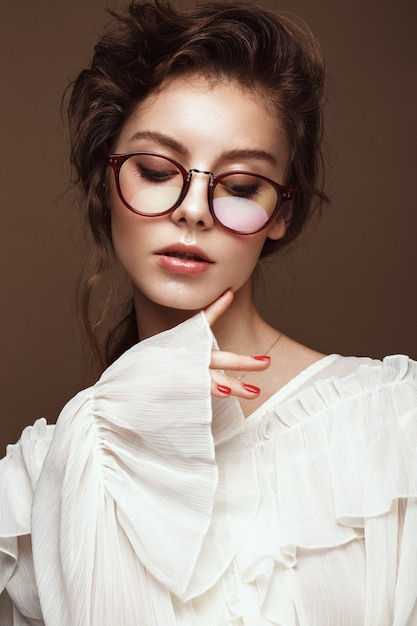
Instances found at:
x=251 y=388
x=223 y=389
x=264 y=357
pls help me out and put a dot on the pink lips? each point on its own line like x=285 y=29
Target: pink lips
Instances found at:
x=182 y=259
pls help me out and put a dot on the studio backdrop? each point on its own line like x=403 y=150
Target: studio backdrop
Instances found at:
x=349 y=287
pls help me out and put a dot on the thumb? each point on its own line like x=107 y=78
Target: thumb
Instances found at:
x=218 y=307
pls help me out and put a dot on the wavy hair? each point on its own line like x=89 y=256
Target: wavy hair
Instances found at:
x=153 y=41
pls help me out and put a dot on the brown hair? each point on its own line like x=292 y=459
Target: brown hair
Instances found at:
x=152 y=41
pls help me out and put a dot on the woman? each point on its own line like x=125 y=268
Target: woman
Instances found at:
x=195 y=483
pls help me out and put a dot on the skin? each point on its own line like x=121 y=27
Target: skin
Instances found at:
x=212 y=126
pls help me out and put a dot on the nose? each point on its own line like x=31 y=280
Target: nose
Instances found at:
x=194 y=210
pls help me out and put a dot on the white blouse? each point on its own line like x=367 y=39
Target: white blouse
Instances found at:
x=150 y=504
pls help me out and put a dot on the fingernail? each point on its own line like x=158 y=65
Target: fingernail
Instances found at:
x=264 y=357
x=251 y=388
x=223 y=389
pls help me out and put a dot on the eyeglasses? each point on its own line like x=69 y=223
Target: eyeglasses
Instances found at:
x=153 y=185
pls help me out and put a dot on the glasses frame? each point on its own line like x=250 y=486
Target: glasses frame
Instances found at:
x=115 y=161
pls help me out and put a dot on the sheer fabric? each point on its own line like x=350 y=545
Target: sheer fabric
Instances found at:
x=148 y=503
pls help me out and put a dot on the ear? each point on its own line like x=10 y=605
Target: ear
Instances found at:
x=279 y=226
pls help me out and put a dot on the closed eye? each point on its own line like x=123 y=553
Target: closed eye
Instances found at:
x=241 y=191
x=156 y=176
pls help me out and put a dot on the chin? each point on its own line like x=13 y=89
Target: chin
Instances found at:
x=187 y=303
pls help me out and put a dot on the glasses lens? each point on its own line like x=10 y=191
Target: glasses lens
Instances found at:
x=244 y=202
x=150 y=184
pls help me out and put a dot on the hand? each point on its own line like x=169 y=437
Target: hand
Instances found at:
x=221 y=384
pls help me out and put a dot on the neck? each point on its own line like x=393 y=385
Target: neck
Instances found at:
x=240 y=329
x=153 y=318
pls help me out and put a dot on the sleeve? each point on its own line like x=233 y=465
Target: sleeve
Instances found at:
x=126 y=494
x=374 y=468
x=19 y=474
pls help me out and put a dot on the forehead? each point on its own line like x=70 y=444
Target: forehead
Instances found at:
x=213 y=84
x=209 y=110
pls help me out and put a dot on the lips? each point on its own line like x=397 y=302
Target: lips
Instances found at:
x=181 y=251
x=180 y=255
x=182 y=259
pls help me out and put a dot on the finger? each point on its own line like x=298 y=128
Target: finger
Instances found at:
x=221 y=360
x=220 y=391
x=223 y=386
x=218 y=307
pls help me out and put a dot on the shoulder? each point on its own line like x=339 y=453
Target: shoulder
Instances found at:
x=367 y=407
x=373 y=434
x=349 y=375
x=358 y=417
x=352 y=386
x=369 y=394
x=392 y=367
x=363 y=376
x=305 y=365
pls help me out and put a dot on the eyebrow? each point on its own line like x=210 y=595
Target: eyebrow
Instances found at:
x=251 y=153
x=236 y=154
x=164 y=140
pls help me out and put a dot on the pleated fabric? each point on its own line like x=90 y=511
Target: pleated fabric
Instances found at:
x=151 y=504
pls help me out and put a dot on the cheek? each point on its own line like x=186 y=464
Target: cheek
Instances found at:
x=243 y=254
x=120 y=225
x=126 y=234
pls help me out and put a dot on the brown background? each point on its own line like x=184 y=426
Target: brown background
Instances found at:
x=351 y=288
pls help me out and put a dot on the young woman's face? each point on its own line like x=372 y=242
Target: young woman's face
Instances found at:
x=184 y=260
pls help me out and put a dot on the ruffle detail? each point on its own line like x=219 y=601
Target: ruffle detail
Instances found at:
x=236 y=499
x=257 y=521
x=131 y=499
x=366 y=425
x=19 y=474
x=343 y=453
